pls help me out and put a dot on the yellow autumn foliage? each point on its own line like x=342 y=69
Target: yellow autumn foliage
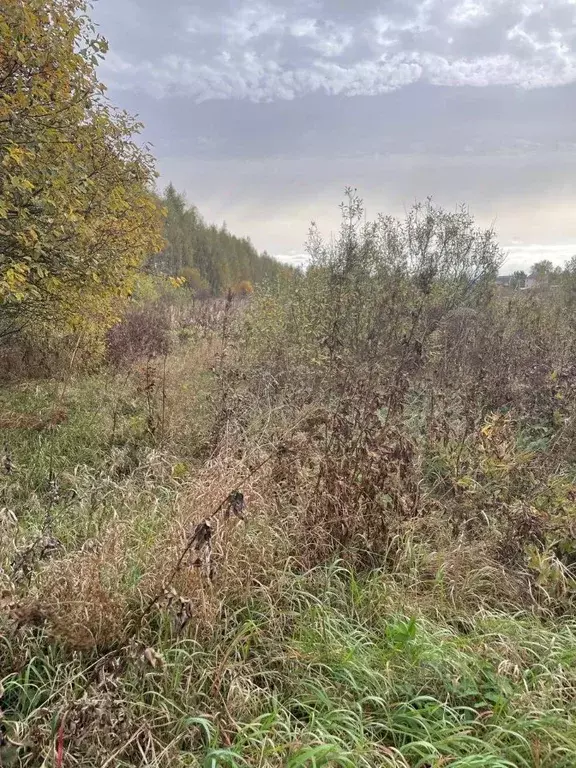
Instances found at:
x=77 y=213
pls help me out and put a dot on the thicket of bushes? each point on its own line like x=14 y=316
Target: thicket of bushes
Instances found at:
x=439 y=407
x=170 y=522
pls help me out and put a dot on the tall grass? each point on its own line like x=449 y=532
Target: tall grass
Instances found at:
x=323 y=669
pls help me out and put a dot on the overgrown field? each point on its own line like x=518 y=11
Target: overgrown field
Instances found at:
x=332 y=525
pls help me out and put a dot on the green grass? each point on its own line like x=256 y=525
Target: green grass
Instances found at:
x=323 y=670
x=284 y=668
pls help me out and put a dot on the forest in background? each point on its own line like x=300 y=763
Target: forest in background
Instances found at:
x=211 y=259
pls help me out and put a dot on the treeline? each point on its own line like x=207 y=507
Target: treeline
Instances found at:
x=210 y=258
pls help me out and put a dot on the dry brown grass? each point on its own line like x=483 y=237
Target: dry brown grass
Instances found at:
x=11 y=421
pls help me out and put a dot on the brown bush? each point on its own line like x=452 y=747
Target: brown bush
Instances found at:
x=143 y=333
x=42 y=355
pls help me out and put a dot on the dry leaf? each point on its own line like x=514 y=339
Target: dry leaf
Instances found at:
x=153 y=658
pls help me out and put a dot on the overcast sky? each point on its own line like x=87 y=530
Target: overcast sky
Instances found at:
x=263 y=111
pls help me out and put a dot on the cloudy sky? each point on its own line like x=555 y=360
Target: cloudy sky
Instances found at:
x=262 y=111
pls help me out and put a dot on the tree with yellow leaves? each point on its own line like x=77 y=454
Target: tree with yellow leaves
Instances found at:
x=77 y=212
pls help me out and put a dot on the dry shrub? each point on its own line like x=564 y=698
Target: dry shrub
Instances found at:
x=21 y=360
x=516 y=352
x=144 y=332
x=101 y=724
x=80 y=597
x=205 y=316
x=43 y=354
x=104 y=594
x=356 y=492
x=350 y=479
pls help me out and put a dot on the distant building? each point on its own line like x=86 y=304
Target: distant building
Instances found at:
x=517 y=283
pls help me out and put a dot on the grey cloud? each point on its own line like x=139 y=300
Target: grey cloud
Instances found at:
x=419 y=119
x=270 y=168
x=262 y=50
